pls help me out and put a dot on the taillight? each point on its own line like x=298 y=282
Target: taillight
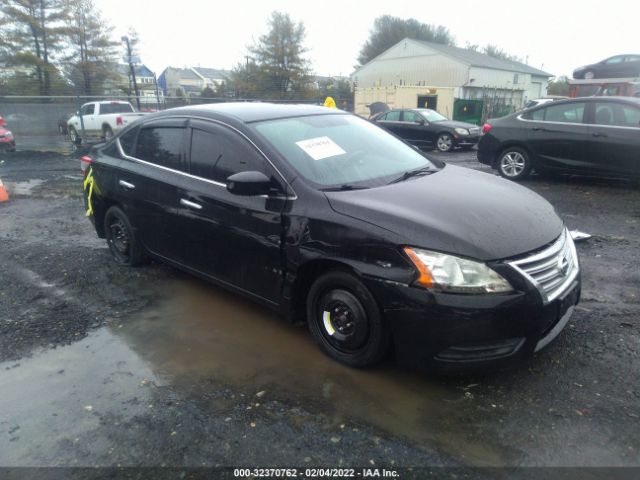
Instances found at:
x=486 y=128
x=119 y=121
x=85 y=162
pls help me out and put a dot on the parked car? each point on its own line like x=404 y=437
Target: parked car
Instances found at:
x=7 y=140
x=588 y=136
x=620 y=66
x=321 y=215
x=426 y=128
x=539 y=101
x=100 y=120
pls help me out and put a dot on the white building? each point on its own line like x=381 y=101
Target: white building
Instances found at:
x=472 y=75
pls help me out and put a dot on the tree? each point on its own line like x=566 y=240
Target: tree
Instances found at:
x=559 y=86
x=208 y=92
x=32 y=33
x=388 y=30
x=92 y=59
x=280 y=67
x=497 y=52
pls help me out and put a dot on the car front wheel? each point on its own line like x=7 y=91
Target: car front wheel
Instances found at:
x=444 y=142
x=123 y=244
x=589 y=75
x=73 y=136
x=107 y=133
x=345 y=320
x=514 y=163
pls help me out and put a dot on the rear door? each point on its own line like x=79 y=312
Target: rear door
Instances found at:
x=558 y=136
x=615 y=137
x=149 y=178
x=234 y=239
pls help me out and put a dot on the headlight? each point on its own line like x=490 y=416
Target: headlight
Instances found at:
x=448 y=273
x=462 y=131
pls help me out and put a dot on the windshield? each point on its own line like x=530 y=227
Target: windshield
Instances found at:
x=432 y=115
x=332 y=150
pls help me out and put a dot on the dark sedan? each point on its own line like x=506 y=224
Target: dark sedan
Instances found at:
x=589 y=136
x=426 y=128
x=322 y=216
x=620 y=66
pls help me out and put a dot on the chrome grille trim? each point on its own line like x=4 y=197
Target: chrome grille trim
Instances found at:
x=544 y=268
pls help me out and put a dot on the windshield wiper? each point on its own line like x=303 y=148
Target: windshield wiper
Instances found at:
x=343 y=188
x=413 y=173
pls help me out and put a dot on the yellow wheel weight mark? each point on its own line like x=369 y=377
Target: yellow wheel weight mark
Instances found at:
x=88 y=182
x=326 y=318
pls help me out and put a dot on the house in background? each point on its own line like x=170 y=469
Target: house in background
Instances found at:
x=191 y=81
x=122 y=84
x=459 y=83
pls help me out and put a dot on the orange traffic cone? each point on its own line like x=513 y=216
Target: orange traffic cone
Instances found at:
x=4 y=196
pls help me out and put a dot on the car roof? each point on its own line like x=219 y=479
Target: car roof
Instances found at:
x=248 y=112
x=619 y=99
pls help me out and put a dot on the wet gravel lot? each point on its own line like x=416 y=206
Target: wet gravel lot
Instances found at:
x=103 y=365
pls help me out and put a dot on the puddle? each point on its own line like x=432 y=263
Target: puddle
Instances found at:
x=24 y=188
x=201 y=332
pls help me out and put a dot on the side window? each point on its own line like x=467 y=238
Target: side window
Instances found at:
x=127 y=140
x=88 y=109
x=411 y=117
x=565 y=113
x=162 y=146
x=615 y=114
x=216 y=156
x=393 y=116
x=613 y=60
x=536 y=115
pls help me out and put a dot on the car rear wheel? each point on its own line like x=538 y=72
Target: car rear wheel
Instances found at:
x=514 y=163
x=589 y=75
x=345 y=320
x=444 y=142
x=107 y=133
x=124 y=246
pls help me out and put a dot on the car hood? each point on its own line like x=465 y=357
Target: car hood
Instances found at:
x=456 y=124
x=457 y=210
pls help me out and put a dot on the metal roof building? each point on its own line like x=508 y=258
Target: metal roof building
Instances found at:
x=472 y=75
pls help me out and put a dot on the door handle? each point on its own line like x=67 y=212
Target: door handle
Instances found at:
x=598 y=134
x=539 y=129
x=127 y=185
x=189 y=204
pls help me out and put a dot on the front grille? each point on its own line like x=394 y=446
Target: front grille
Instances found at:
x=551 y=270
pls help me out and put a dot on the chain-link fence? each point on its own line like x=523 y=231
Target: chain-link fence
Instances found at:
x=41 y=123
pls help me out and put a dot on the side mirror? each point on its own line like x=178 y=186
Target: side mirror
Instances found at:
x=78 y=113
x=251 y=183
x=421 y=122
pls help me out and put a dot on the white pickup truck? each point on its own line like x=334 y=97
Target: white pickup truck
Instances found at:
x=100 y=120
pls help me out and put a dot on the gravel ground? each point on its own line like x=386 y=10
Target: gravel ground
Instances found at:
x=107 y=366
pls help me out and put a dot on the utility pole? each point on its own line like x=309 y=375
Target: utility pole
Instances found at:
x=132 y=71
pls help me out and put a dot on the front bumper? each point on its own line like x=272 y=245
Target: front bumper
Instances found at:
x=462 y=333
x=8 y=144
x=466 y=140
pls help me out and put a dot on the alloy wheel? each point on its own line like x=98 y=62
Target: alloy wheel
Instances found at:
x=444 y=143
x=512 y=164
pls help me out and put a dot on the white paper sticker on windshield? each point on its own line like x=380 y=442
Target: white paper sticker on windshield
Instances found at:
x=320 y=148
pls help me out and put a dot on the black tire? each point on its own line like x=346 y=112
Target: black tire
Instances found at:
x=73 y=136
x=107 y=133
x=357 y=335
x=123 y=244
x=444 y=142
x=514 y=163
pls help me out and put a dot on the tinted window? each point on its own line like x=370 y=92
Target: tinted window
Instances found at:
x=162 y=146
x=566 y=113
x=87 y=109
x=106 y=108
x=411 y=117
x=537 y=115
x=392 y=117
x=614 y=60
x=127 y=140
x=216 y=156
x=617 y=114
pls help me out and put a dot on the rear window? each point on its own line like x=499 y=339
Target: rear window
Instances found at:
x=106 y=108
x=127 y=140
x=564 y=113
x=162 y=146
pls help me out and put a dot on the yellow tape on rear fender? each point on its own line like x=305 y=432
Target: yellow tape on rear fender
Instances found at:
x=88 y=182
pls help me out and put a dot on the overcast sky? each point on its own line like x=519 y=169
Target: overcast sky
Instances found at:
x=555 y=35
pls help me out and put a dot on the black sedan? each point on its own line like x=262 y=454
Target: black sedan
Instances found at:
x=589 y=136
x=620 y=66
x=324 y=217
x=426 y=128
